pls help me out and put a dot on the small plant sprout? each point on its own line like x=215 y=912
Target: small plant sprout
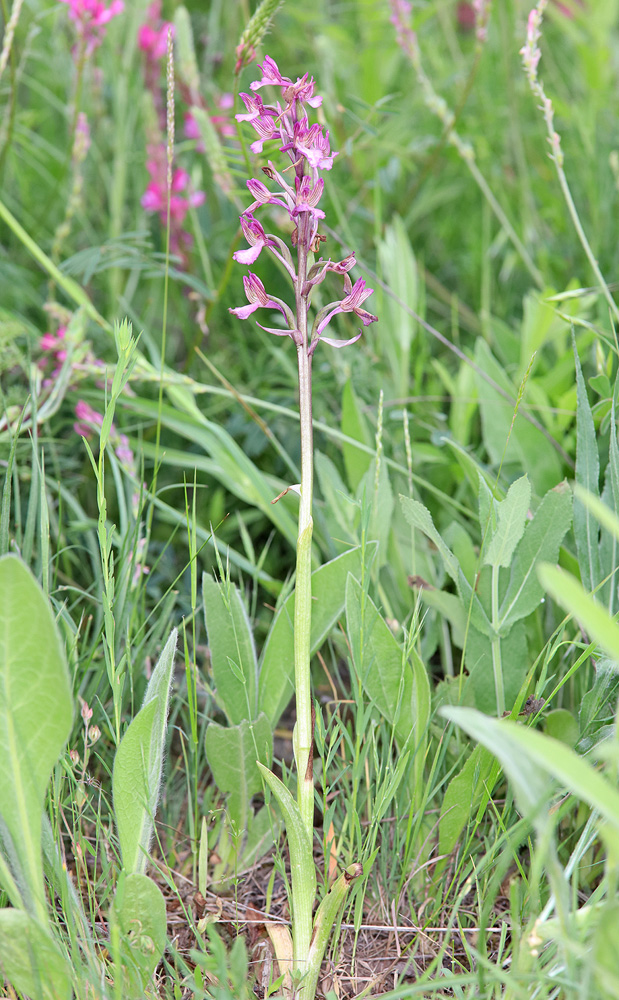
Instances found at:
x=298 y=189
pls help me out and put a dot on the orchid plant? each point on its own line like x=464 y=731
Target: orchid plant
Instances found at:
x=298 y=188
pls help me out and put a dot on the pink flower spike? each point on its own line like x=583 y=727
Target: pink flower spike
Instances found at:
x=153 y=35
x=83 y=411
x=180 y=180
x=48 y=342
x=192 y=130
x=91 y=17
x=123 y=450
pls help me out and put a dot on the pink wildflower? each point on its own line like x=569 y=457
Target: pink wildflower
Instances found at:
x=309 y=153
x=153 y=34
x=155 y=198
x=91 y=18
x=53 y=345
x=87 y=419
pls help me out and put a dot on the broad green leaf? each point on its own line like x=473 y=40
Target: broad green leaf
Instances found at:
x=540 y=543
x=398 y=688
x=36 y=715
x=514 y=666
x=276 y=684
x=354 y=426
x=302 y=867
x=231 y=643
x=488 y=507
x=561 y=725
x=419 y=517
x=138 y=764
x=232 y=753
x=572 y=596
x=398 y=261
x=530 y=759
x=30 y=958
x=139 y=911
x=463 y=797
x=586 y=528
x=511 y=519
x=379 y=496
x=528 y=447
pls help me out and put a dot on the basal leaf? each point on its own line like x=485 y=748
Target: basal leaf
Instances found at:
x=276 y=684
x=232 y=753
x=138 y=765
x=36 y=715
x=399 y=691
x=140 y=912
x=540 y=542
x=463 y=797
x=231 y=644
x=30 y=958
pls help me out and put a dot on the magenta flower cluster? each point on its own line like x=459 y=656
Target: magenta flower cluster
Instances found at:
x=91 y=18
x=309 y=152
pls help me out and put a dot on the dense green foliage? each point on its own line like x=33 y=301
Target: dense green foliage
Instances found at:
x=453 y=562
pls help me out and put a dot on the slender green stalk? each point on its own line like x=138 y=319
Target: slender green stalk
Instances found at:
x=497 y=665
x=303 y=587
x=309 y=153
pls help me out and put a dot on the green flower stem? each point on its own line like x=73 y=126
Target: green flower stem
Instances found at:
x=303 y=735
x=497 y=666
x=303 y=607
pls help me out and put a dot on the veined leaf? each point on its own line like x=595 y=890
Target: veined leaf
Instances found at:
x=138 y=764
x=398 y=688
x=36 y=714
x=140 y=912
x=540 y=543
x=511 y=519
x=276 y=684
x=232 y=753
x=30 y=958
x=231 y=643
